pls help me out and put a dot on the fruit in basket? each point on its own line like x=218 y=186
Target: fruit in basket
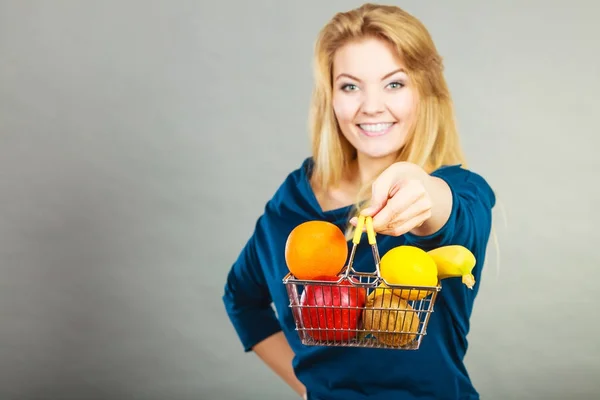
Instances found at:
x=381 y=289
x=325 y=307
x=315 y=248
x=407 y=293
x=387 y=312
x=409 y=266
x=455 y=261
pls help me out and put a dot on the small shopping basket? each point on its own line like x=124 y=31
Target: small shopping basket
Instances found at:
x=360 y=309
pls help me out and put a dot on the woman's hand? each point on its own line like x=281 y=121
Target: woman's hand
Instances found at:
x=404 y=199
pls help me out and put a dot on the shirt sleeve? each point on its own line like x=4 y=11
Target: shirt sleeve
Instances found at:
x=247 y=299
x=468 y=225
x=470 y=220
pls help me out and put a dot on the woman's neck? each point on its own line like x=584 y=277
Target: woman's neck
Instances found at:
x=367 y=169
x=362 y=171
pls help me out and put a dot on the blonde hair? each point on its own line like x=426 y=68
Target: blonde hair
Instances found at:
x=433 y=140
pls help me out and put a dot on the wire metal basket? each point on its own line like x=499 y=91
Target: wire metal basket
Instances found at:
x=360 y=309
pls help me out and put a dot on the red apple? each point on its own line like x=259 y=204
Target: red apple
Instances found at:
x=316 y=298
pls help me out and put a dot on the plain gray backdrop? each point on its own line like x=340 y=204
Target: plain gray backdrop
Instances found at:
x=139 y=141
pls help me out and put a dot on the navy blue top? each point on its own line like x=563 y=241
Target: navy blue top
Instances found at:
x=435 y=370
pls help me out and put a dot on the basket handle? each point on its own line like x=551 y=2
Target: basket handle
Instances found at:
x=364 y=221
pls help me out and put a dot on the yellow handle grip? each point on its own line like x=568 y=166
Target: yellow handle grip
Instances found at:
x=362 y=221
x=358 y=230
x=370 y=230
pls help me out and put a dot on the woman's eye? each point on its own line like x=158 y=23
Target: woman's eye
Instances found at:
x=349 y=87
x=396 y=85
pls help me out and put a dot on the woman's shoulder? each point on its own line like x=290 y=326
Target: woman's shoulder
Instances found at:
x=295 y=180
x=294 y=196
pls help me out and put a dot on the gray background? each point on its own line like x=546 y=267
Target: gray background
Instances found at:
x=139 y=141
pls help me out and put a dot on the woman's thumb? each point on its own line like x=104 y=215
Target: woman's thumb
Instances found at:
x=384 y=187
x=373 y=209
x=379 y=198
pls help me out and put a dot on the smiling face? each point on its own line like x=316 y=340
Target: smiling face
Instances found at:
x=373 y=100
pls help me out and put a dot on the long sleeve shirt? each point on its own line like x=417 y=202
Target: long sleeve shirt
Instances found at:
x=257 y=302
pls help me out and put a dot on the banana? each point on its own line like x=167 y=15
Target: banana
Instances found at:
x=381 y=289
x=455 y=261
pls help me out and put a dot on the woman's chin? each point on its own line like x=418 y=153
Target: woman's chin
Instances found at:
x=378 y=154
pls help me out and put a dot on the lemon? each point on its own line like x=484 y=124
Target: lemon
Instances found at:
x=409 y=266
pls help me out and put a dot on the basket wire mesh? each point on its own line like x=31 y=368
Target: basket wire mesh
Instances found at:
x=360 y=309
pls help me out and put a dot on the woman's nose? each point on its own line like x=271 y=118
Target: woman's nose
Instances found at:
x=373 y=103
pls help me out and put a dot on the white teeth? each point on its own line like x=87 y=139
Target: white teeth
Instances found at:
x=375 y=127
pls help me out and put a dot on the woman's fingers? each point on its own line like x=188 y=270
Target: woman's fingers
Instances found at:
x=421 y=206
x=399 y=206
x=405 y=204
x=400 y=227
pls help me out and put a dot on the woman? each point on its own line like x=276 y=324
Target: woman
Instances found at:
x=383 y=130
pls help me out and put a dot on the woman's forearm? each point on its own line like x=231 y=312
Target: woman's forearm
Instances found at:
x=441 y=197
x=276 y=352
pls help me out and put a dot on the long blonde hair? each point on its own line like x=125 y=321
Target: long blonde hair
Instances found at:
x=434 y=139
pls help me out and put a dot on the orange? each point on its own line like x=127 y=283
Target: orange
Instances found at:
x=316 y=249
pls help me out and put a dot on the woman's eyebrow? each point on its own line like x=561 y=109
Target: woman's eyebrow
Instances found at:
x=343 y=74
